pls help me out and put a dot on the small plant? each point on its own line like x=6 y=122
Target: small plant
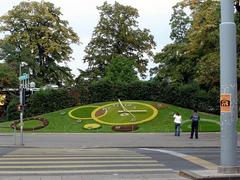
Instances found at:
x=92 y=126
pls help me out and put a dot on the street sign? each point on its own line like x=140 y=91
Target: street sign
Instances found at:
x=25 y=76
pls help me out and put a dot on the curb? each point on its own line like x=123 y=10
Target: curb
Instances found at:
x=196 y=176
x=90 y=147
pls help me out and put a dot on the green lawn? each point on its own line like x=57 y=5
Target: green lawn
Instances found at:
x=203 y=126
x=60 y=121
x=84 y=112
x=31 y=124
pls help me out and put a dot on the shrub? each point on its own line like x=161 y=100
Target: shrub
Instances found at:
x=12 y=112
x=49 y=100
x=187 y=95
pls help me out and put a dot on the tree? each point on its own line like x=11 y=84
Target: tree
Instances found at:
x=117 y=33
x=194 y=55
x=204 y=43
x=174 y=64
x=38 y=36
x=180 y=23
x=121 y=70
x=8 y=77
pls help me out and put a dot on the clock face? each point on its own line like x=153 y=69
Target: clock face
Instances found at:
x=124 y=113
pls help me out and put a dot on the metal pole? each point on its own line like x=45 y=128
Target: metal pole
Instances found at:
x=15 y=140
x=21 y=105
x=229 y=108
x=21 y=116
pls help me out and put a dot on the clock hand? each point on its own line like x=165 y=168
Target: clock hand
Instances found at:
x=125 y=109
x=134 y=111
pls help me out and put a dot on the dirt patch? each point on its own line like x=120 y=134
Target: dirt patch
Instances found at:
x=100 y=112
x=125 y=128
x=160 y=105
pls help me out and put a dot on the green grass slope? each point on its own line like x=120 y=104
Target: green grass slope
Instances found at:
x=61 y=122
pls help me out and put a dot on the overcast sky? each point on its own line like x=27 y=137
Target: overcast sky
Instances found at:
x=83 y=16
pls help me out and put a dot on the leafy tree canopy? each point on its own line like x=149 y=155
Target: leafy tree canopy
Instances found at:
x=117 y=33
x=180 y=23
x=8 y=77
x=36 y=34
x=194 y=55
x=121 y=70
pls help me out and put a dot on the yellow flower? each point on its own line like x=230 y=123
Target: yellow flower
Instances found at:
x=2 y=99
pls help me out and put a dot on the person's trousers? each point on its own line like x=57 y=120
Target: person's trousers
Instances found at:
x=194 y=129
x=177 y=129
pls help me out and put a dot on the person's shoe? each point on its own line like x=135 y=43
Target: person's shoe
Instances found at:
x=190 y=137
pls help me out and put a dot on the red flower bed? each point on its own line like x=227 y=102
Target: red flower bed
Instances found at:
x=100 y=112
x=44 y=123
x=125 y=128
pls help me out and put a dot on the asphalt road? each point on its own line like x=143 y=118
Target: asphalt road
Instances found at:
x=100 y=156
x=105 y=163
x=185 y=158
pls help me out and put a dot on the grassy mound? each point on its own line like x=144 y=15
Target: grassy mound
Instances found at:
x=60 y=121
x=82 y=112
x=208 y=126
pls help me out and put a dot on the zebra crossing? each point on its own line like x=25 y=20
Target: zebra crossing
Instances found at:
x=40 y=161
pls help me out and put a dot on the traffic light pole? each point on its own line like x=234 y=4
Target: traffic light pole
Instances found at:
x=21 y=113
x=23 y=84
x=228 y=99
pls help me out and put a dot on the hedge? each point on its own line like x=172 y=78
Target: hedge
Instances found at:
x=49 y=100
x=188 y=95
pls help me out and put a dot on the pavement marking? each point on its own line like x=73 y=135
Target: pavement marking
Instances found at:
x=42 y=150
x=91 y=171
x=90 y=161
x=196 y=160
x=75 y=158
x=54 y=167
x=67 y=155
x=201 y=162
x=78 y=162
x=81 y=166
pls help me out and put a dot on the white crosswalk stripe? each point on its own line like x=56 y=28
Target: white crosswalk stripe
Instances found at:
x=45 y=162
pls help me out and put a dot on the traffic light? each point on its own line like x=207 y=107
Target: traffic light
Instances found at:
x=23 y=96
x=20 y=107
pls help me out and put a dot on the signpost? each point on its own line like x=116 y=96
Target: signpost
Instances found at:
x=24 y=83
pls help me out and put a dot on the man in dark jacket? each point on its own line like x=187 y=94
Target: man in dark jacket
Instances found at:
x=195 y=119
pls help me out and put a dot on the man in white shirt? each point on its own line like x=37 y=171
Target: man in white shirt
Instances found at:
x=177 y=120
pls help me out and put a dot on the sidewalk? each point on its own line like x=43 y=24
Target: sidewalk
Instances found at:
x=107 y=140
